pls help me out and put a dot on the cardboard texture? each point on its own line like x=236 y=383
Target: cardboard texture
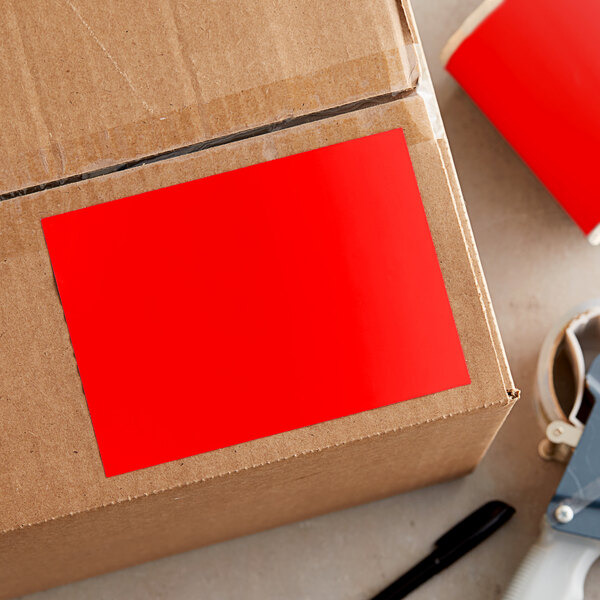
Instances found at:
x=88 y=85
x=61 y=518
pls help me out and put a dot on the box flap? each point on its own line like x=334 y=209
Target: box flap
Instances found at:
x=88 y=85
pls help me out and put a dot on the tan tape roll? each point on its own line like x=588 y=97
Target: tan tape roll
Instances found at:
x=566 y=354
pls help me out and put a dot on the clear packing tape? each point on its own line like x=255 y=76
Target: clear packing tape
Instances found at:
x=212 y=143
x=585 y=496
x=425 y=90
x=86 y=95
x=411 y=56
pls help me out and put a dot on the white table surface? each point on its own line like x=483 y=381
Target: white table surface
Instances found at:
x=538 y=265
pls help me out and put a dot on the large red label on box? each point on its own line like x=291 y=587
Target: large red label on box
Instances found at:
x=253 y=302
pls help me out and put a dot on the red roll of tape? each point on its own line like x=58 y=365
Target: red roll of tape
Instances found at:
x=533 y=67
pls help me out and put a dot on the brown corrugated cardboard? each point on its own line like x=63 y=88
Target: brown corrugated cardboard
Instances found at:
x=88 y=85
x=60 y=517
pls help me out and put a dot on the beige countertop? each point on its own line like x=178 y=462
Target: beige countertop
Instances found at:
x=538 y=265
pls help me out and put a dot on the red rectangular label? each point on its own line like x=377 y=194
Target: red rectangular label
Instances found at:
x=254 y=302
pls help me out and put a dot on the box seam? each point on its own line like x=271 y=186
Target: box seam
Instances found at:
x=413 y=58
x=288 y=123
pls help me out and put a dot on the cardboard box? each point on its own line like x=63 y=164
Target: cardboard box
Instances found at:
x=100 y=103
